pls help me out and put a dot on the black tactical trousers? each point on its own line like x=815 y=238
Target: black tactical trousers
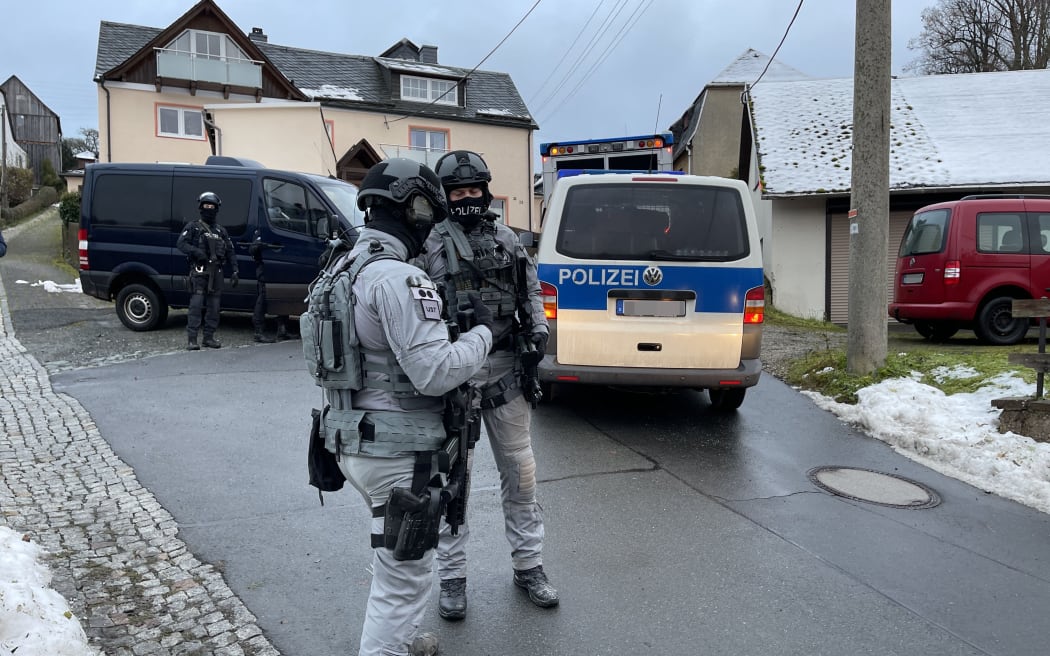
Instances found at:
x=259 y=313
x=204 y=307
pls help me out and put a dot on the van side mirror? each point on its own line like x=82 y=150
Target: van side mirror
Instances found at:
x=527 y=239
x=322 y=226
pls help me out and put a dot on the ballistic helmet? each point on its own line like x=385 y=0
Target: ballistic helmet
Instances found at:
x=208 y=197
x=464 y=168
x=404 y=184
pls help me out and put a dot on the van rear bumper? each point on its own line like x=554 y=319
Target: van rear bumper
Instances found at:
x=950 y=311
x=96 y=283
x=746 y=375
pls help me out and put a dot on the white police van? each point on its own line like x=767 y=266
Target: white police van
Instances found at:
x=652 y=279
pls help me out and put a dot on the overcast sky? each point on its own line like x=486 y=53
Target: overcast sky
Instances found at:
x=652 y=60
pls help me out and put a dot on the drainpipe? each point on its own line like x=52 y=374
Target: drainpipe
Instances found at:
x=109 y=131
x=217 y=150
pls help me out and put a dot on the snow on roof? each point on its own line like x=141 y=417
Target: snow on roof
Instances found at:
x=746 y=68
x=969 y=130
x=331 y=91
x=500 y=112
x=87 y=154
x=417 y=67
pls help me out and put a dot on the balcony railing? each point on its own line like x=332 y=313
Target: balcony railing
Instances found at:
x=427 y=156
x=183 y=65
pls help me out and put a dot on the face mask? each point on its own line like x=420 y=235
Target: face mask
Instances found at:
x=468 y=211
x=209 y=214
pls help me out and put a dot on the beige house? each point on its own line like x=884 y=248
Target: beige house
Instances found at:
x=202 y=87
x=790 y=138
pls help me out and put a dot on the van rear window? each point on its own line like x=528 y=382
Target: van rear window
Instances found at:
x=926 y=233
x=133 y=201
x=648 y=221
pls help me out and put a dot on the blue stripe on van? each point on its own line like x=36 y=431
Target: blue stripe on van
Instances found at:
x=586 y=286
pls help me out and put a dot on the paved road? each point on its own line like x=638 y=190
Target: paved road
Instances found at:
x=670 y=529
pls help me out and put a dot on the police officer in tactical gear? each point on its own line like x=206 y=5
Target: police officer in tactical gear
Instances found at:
x=408 y=362
x=473 y=252
x=255 y=249
x=209 y=250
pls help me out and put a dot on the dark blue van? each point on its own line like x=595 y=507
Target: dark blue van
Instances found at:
x=132 y=214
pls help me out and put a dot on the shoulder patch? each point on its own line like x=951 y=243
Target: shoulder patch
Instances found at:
x=428 y=300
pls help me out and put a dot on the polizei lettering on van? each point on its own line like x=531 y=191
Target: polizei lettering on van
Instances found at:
x=603 y=277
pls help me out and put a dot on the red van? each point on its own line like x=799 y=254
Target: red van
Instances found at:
x=962 y=263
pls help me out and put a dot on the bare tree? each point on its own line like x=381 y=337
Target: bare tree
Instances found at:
x=975 y=36
x=90 y=137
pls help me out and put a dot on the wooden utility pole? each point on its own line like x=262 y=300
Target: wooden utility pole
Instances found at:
x=869 y=213
x=3 y=157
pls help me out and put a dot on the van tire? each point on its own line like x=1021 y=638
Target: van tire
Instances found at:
x=996 y=325
x=725 y=400
x=141 y=308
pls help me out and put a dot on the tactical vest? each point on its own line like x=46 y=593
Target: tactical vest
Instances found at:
x=341 y=366
x=476 y=261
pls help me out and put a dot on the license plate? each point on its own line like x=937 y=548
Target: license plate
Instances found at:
x=911 y=278
x=626 y=307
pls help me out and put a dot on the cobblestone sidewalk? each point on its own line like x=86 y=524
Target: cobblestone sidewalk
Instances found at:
x=115 y=554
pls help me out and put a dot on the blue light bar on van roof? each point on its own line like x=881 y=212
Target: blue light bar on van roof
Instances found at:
x=566 y=173
x=614 y=144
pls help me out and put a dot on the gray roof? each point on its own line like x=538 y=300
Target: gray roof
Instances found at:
x=352 y=81
x=946 y=131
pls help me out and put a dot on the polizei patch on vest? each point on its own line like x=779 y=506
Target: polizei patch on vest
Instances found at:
x=426 y=294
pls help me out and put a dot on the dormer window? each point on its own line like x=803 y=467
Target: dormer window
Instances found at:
x=211 y=45
x=423 y=89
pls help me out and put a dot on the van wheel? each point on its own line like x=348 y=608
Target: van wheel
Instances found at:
x=996 y=324
x=724 y=400
x=935 y=331
x=140 y=308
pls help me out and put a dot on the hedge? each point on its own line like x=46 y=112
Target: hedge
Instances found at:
x=43 y=198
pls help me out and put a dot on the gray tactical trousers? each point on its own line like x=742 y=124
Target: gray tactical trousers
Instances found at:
x=508 y=430
x=400 y=588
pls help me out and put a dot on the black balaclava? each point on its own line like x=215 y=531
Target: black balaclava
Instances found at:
x=391 y=220
x=208 y=214
x=468 y=211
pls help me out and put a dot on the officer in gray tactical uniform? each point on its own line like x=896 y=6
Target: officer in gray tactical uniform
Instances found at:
x=407 y=363
x=472 y=251
x=208 y=248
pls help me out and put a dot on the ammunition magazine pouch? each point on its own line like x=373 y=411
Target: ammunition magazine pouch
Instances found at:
x=380 y=433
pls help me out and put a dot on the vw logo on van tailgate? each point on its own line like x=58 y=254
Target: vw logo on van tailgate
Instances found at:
x=652 y=276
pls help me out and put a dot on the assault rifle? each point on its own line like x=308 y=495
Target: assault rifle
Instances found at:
x=463 y=428
x=530 y=356
x=214 y=250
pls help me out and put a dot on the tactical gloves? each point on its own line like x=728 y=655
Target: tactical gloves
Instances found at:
x=234 y=279
x=482 y=314
x=540 y=338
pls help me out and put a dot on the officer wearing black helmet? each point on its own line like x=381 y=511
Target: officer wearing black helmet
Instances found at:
x=210 y=252
x=403 y=361
x=472 y=251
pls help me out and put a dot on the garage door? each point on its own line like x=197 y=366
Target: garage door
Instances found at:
x=839 y=258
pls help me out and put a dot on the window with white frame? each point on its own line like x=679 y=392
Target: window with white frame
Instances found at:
x=180 y=122
x=421 y=139
x=423 y=89
x=210 y=45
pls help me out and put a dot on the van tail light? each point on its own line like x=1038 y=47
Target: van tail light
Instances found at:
x=951 y=272
x=755 y=305
x=549 y=296
x=83 y=249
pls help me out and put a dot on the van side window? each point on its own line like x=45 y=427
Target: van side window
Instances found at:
x=1000 y=232
x=290 y=206
x=1043 y=221
x=131 y=201
x=235 y=194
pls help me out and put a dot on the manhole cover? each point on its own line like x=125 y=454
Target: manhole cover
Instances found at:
x=874 y=487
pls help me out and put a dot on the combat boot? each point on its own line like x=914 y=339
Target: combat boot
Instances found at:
x=452 y=604
x=533 y=580
x=425 y=644
x=211 y=342
x=282 y=331
x=263 y=339
x=192 y=345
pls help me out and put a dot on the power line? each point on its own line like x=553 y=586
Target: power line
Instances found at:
x=629 y=24
x=565 y=56
x=782 y=39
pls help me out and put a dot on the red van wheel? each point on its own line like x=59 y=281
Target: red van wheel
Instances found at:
x=996 y=323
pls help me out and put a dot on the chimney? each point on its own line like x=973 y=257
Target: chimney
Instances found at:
x=428 y=54
x=258 y=35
